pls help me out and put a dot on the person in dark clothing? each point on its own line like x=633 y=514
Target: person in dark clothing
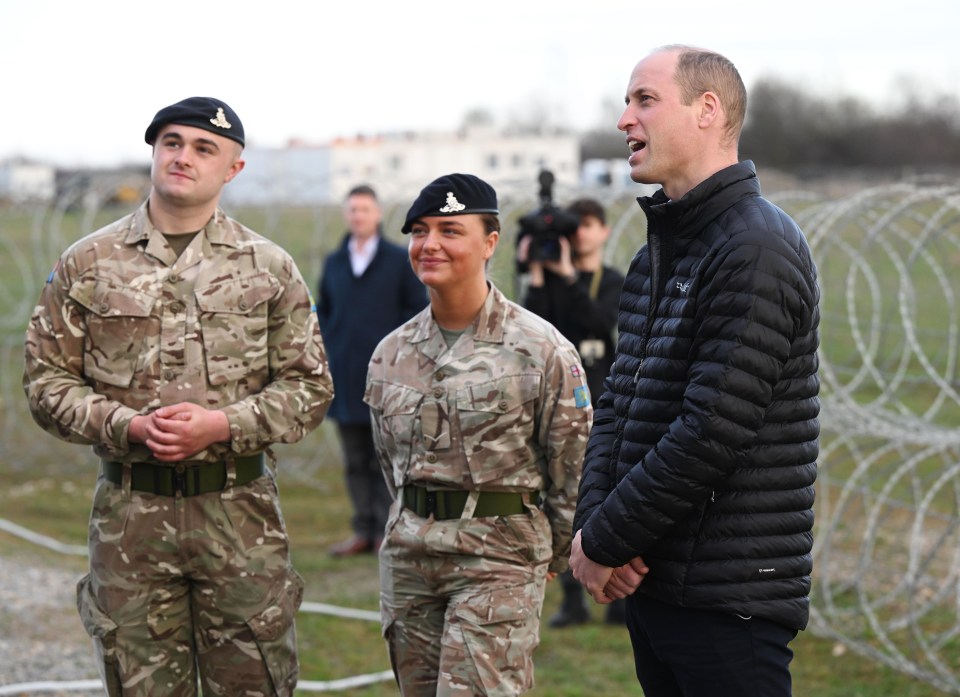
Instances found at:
x=579 y=295
x=696 y=501
x=366 y=291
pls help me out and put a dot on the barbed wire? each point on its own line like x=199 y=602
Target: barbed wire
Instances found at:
x=887 y=535
x=887 y=538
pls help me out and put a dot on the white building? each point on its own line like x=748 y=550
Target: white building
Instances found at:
x=399 y=165
x=22 y=181
x=613 y=177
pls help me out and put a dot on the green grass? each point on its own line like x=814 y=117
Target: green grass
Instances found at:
x=586 y=661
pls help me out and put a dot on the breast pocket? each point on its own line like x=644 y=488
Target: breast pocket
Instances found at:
x=234 y=325
x=118 y=319
x=399 y=434
x=497 y=426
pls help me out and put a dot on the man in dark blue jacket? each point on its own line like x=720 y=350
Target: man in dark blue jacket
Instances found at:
x=696 y=501
x=367 y=290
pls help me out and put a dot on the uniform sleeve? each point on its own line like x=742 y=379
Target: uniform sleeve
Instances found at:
x=564 y=424
x=60 y=399
x=300 y=389
x=373 y=397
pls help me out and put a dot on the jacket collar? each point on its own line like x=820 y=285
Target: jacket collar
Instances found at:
x=704 y=202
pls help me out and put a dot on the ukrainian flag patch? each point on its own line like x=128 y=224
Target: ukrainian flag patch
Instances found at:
x=581 y=395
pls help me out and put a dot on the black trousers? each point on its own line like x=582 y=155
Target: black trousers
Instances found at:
x=683 y=652
x=365 y=484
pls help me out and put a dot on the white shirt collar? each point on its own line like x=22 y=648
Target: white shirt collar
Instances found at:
x=360 y=258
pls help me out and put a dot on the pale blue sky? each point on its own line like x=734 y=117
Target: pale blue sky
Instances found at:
x=83 y=79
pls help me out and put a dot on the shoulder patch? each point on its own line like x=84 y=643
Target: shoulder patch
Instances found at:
x=581 y=396
x=53 y=272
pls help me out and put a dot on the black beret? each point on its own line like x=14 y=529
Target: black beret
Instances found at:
x=200 y=112
x=452 y=194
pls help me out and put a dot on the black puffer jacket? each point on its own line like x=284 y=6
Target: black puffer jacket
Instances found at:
x=702 y=457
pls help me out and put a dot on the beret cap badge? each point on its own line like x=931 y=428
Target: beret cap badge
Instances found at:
x=452 y=194
x=220 y=119
x=452 y=205
x=195 y=112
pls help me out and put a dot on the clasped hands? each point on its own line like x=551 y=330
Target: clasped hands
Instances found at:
x=179 y=431
x=603 y=583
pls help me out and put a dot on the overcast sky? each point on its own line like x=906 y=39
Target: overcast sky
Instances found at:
x=81 y=80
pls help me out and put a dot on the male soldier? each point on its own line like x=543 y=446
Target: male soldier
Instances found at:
x=181 y=344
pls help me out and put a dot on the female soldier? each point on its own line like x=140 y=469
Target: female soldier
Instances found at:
x=480 y=416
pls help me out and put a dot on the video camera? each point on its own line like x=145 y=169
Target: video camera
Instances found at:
x=546 y=226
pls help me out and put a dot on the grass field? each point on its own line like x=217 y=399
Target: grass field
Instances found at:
x=47 y=484
x=587 y=661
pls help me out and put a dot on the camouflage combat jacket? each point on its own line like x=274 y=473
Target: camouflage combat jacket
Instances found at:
x=123 y=327
x=506 y=408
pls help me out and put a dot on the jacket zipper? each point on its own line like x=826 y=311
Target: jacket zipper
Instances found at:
x=703 y=512
x=655 y=251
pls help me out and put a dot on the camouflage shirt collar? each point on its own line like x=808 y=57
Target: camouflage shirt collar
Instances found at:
x=138 y=225
x=487 y=327
x=219 y=229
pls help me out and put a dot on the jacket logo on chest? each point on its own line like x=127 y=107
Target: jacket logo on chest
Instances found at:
x=683 y=287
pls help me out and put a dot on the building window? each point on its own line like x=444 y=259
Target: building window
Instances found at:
x=396 y=163
x=492 y=161
x=517 y=161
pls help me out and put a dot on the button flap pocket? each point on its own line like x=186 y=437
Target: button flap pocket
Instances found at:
x=109 y=299
x=237 y=295
x=499 y=396
x=395 y=400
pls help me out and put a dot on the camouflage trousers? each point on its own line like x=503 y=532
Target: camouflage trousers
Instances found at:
x=461 y=600
x=181 y=588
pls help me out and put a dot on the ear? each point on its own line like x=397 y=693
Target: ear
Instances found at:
x=710 y=110
x=490 y=244
x=234 y=170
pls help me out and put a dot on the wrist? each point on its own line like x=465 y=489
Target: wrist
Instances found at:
x=221 y=426
x=135 y=429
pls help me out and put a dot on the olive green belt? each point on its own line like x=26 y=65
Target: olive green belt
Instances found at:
x=446 y=505
x=184 y=478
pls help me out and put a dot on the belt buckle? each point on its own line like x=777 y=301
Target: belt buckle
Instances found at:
x=179 y=481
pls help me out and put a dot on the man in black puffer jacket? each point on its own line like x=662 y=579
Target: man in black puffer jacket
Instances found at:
x=696 y=500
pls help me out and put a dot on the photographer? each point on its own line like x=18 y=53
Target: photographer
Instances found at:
x=568 y=285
